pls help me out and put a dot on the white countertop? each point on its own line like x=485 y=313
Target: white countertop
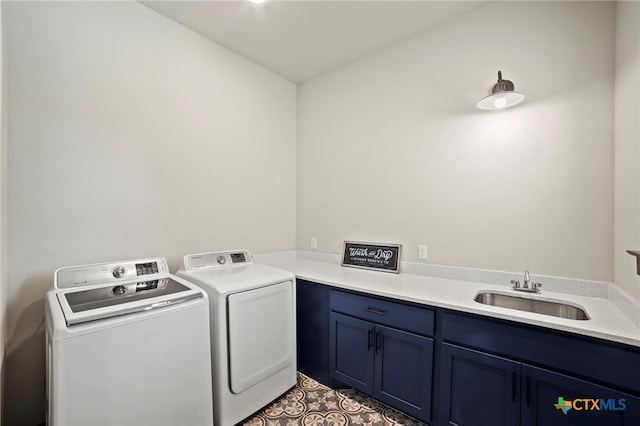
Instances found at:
x=606 y=321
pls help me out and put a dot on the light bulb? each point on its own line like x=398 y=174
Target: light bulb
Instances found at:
x=500 y=102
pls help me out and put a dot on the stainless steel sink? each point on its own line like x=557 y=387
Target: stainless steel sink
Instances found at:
x=545 y=307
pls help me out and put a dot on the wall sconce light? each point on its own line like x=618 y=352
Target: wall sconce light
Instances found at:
x=502 y=95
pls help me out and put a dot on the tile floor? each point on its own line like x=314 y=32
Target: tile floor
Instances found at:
x=310 y=403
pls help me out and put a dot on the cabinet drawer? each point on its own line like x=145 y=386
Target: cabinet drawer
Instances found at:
x=385 y=312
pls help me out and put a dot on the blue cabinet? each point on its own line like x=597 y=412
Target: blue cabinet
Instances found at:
x=390 y=364
x=312 y=330
x=452 y=368
x=477 y=389
x=403 y=371
x=544 y=392
x=482 y=389
x=351 y=352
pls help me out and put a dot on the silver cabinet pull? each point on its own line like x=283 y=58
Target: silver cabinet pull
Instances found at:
x=374 y=311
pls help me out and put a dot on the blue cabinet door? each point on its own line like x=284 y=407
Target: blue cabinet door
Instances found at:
x=546 y=393
x=351 y=351
x=403 y=371
x=477 y=389
x=312 y=329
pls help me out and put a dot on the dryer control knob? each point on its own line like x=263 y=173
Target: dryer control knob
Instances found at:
x=118 y=272
x=222 y=260
x=118 y=290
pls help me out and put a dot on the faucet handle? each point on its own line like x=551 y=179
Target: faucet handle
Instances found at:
x=516 y=284
x=536 y=286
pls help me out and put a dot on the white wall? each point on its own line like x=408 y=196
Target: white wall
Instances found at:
x=129 y=136
x=627 y=146
x=391 y=147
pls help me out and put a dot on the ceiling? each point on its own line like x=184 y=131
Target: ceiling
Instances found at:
x=303 y=38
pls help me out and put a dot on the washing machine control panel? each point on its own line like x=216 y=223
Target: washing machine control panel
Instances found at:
x=104 y=273
x=216 y=259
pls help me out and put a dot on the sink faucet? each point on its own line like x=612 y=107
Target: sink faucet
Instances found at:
x=527 y=285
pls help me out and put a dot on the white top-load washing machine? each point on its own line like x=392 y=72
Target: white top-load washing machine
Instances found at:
x=253 y=345
x=127 y=344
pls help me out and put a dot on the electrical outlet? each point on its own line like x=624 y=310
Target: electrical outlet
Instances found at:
x=422 y=252
x=314 y=242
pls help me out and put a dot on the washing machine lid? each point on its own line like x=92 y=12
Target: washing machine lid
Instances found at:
x=97 y=291
x=99 y=302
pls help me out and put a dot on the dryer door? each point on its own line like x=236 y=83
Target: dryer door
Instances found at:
x=261 y=334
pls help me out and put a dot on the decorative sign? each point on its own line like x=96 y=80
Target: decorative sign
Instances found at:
x=380 y=257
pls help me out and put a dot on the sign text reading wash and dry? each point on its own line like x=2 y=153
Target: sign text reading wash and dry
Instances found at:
x=381 y=257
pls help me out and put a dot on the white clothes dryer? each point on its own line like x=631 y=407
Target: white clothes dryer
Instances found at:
x=127 y=344
x=253 y=346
